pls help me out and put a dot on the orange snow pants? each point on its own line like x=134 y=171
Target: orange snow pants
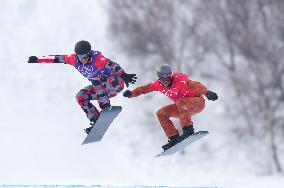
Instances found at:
x=182 y=109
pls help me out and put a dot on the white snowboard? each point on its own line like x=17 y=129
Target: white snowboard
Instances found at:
x=184 y=143
x=103 y=123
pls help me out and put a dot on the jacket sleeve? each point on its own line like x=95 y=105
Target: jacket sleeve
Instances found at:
x=141 y=90
x=66 y=59
x=117 y=70
x=200 y=88
x=103 y=62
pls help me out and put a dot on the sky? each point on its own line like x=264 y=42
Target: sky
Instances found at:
x=41 y=124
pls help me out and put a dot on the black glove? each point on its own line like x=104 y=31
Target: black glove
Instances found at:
x=211 y=96
x=127 y=93
x=129 y=78
x=32 y=59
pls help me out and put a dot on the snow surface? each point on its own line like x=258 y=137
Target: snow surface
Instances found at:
x=41 y=125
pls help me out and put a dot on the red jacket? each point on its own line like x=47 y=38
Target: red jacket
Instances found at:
x=181 y=87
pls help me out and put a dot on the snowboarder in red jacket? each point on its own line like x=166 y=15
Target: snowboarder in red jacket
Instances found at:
x=187 y=96
x=106 y=76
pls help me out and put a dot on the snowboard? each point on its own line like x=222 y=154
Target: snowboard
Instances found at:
x=103 y=123
x=183 y=143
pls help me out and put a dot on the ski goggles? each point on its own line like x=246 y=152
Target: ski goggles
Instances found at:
x=83 y=56
x=165 y=79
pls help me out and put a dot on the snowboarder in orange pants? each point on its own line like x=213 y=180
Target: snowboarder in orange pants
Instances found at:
x=188 y=100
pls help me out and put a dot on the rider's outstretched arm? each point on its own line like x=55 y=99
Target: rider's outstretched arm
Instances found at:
x=66 y=59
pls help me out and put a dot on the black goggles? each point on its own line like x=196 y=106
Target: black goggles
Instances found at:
x=166 y=78
x=83 y=56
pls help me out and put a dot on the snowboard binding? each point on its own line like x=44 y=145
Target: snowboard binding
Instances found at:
x=173 y=140
x=187 y=131
x=88 y=130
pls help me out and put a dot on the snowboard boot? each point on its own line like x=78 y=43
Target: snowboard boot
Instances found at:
x=88 y=130
x=173 y=140
x=106 y=106
x=187 y=131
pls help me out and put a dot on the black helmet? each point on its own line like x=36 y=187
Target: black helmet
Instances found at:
x=164 y=70
x=82 y=47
